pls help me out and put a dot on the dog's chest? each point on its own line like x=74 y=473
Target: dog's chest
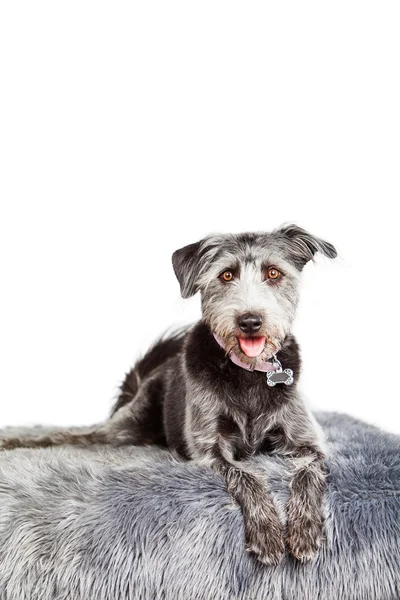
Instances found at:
x=251 y=425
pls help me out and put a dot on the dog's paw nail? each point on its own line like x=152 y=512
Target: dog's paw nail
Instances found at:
x=268 y=548
x=304 y=554
x=268 y=556
x=304 y=549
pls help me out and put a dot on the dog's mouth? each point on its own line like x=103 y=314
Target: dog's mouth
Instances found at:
x=251 y=349
x=252 y=346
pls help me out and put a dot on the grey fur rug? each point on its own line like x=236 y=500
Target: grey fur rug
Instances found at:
x=137 y=523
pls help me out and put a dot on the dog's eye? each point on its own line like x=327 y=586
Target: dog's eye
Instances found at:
x=227 y=276
x=273 y=273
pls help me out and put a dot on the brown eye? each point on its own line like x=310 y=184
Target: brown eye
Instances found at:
x=273 y=273
x=227 y=276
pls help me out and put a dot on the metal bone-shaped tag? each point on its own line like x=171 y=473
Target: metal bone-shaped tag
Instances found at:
x=280 y=375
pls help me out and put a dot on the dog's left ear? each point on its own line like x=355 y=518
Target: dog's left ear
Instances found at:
x=302 y=245
x=186 y=263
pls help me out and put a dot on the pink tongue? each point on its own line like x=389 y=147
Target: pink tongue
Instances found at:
x=252 y=347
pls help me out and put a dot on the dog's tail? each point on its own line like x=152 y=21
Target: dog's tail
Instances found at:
x=164 y=349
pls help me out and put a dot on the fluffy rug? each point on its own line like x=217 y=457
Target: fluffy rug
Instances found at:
x=138 y=523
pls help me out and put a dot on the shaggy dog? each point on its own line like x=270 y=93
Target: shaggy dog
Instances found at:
x=226 y=389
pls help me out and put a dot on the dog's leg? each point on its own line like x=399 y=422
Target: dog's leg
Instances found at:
x=99 y=434
x=133 y=423
x=305 y=507
x=263 y=529
x=57 y=438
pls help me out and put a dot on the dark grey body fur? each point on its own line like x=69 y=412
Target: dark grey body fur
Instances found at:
x=187 y=394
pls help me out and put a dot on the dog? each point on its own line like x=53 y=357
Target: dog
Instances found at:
x=216 y=393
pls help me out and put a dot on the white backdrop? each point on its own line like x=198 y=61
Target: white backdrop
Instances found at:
x=130 y=129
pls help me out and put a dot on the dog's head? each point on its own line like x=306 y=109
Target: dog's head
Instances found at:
x=249 y=285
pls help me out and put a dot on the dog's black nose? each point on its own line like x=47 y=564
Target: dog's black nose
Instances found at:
x=250 y=322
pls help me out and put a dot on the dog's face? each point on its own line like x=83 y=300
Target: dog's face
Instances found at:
x=249 y=285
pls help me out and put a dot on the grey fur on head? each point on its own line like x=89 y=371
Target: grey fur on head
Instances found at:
x=190 y=261
x=197 y=267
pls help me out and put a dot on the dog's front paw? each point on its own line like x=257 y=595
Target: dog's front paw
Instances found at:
x=3 y=445
x=305 y=536
x=9 y=443
x=266 y=540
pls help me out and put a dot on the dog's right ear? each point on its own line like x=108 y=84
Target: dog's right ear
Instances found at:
x=186 y=263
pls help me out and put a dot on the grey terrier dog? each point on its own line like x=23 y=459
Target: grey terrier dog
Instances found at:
x=216 y=393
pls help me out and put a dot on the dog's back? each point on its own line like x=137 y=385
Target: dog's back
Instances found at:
x=163 y=350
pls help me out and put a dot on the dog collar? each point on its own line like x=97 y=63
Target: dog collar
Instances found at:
x=264 y=366
x=273 y=369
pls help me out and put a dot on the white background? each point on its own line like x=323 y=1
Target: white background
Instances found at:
x=130 y=129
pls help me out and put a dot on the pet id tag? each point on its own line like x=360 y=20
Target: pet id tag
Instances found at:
x=280 y=375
